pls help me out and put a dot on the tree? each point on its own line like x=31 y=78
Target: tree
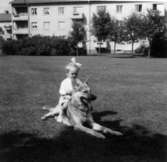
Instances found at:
x=159 y=45
x=1 y=31
x=78 y=34
x=117 y=31
x=1 y=38
x=1 y=42
x=101 y=25
x=151 y=25
x=133 y=24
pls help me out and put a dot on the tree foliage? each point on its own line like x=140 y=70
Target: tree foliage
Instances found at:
x=78 y=33
x=1 y=41
x=1 y=31
x=133 y=28
x=151 y=25
x=101 y=25
x=117 y=32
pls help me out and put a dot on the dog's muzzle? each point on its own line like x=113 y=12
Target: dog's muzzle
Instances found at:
x=88 y=98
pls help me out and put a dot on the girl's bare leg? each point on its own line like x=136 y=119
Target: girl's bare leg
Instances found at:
x=52 y=112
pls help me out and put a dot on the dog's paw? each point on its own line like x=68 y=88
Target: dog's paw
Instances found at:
x=59 y=119
x=43 y=118
x=99 y=135
x=116 y=133
x=66 y=122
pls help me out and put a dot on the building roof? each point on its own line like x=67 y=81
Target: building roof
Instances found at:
x=76 y=1
x=5 y=17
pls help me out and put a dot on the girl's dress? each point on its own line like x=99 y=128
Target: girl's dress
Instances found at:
x=67 y=86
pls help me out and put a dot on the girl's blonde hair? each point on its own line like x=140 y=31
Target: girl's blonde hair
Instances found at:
x=73 y=64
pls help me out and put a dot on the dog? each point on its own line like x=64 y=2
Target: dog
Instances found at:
x=79 y=114
x=53 y=112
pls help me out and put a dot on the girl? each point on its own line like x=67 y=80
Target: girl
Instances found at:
x=67 y=86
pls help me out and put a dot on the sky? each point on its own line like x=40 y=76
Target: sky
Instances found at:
x=4 y=5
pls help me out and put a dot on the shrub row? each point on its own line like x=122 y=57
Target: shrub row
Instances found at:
x=1 y=41
x=58 y=46
x=41 y=46
x=159 y=45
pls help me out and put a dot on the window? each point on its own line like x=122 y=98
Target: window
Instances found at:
x=101 y=8
x=46 y=25
x=46 y=11
x=138 y=7
x=119 y=8
x=154 y=6
x=61 y=11
x=34 y=26
x=61 y=25
x=34 y=11
x=77 y=10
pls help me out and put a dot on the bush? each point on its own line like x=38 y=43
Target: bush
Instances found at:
x=60 y=46
x=11 y=47
x=159 y=46
x=39 y=46
x=1 y=41
x=142 y=50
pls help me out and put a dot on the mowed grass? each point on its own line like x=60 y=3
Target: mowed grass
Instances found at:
x=132 y=98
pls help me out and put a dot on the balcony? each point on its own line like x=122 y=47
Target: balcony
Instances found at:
x=77 y=16
x=20 y=17
x=21 y=31
x=8 y=27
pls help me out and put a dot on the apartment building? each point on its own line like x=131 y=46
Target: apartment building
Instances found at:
x=6 y=26
x=55 y=17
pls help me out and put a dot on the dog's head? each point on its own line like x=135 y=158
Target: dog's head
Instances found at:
x=83 y=95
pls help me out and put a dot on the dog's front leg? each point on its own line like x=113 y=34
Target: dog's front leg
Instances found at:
x=52 y=112
x=99 y=127
x=89 y=131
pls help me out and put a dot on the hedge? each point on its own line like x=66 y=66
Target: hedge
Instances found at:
x=40 y=46
x=159 y=45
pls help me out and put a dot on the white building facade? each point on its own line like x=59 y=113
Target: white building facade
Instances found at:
x=6 y=26
x=55 y=17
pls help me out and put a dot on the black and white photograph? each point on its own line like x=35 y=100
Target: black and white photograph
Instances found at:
x=83 y=81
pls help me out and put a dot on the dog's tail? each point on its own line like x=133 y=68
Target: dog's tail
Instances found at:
x=86 y=80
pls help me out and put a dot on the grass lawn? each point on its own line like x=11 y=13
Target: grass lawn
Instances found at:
x=132 y=98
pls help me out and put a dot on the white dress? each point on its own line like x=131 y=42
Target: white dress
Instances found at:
x=67 y=86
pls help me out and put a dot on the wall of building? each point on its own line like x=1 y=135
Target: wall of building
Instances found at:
x=5 y=5
x=58 y=24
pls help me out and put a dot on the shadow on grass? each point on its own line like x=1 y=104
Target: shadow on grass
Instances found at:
x=136 y=145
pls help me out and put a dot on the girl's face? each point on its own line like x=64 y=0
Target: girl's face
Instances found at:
x=73 y=73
